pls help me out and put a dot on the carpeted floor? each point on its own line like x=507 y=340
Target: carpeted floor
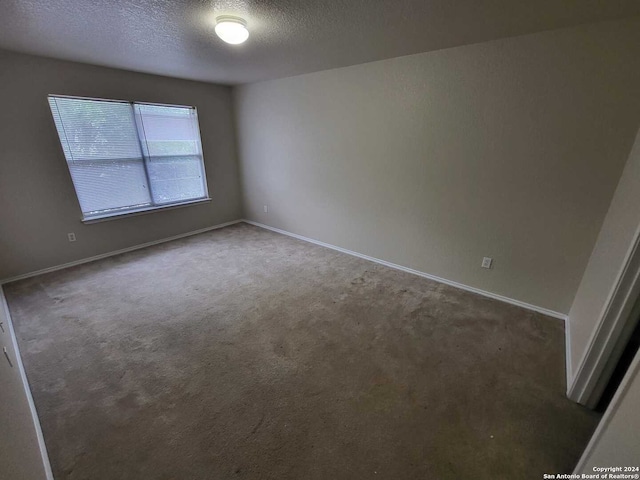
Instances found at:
x=241 y=353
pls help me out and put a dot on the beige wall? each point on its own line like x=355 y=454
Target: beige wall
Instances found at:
x=510 y=149
x=607 y=259
x=38 y=203
x=20 y=457
x=616 y=441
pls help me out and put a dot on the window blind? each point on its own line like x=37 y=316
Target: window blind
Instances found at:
x=125 y=157
x=172 y=148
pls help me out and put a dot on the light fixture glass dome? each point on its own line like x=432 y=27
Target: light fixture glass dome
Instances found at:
x=232 y=30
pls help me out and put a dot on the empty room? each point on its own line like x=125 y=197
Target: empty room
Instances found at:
x=319 y=239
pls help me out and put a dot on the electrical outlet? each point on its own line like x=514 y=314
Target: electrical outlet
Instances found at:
x=71 y=236
x=266 y=209
x=486 y=262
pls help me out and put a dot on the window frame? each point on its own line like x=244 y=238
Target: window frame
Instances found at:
x=130 y=212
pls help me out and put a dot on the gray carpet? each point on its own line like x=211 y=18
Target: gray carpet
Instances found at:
x=241 y=353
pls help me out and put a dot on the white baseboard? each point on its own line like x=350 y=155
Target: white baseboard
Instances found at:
x=116 y=252
x=461 y=286
x=25 y=384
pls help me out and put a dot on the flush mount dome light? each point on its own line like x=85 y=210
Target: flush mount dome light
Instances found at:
x=232 y=30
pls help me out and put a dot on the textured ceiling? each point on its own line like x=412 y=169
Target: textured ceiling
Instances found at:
x=288 y=37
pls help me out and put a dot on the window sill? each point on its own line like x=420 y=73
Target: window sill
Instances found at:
x=142 y=211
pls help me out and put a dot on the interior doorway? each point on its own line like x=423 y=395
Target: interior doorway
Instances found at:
x=629 y=343
x=612 y=334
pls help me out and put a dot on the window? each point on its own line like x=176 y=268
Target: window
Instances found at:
x=129 y=157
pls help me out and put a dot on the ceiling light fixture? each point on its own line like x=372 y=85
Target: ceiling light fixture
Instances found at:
x=232 y=30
